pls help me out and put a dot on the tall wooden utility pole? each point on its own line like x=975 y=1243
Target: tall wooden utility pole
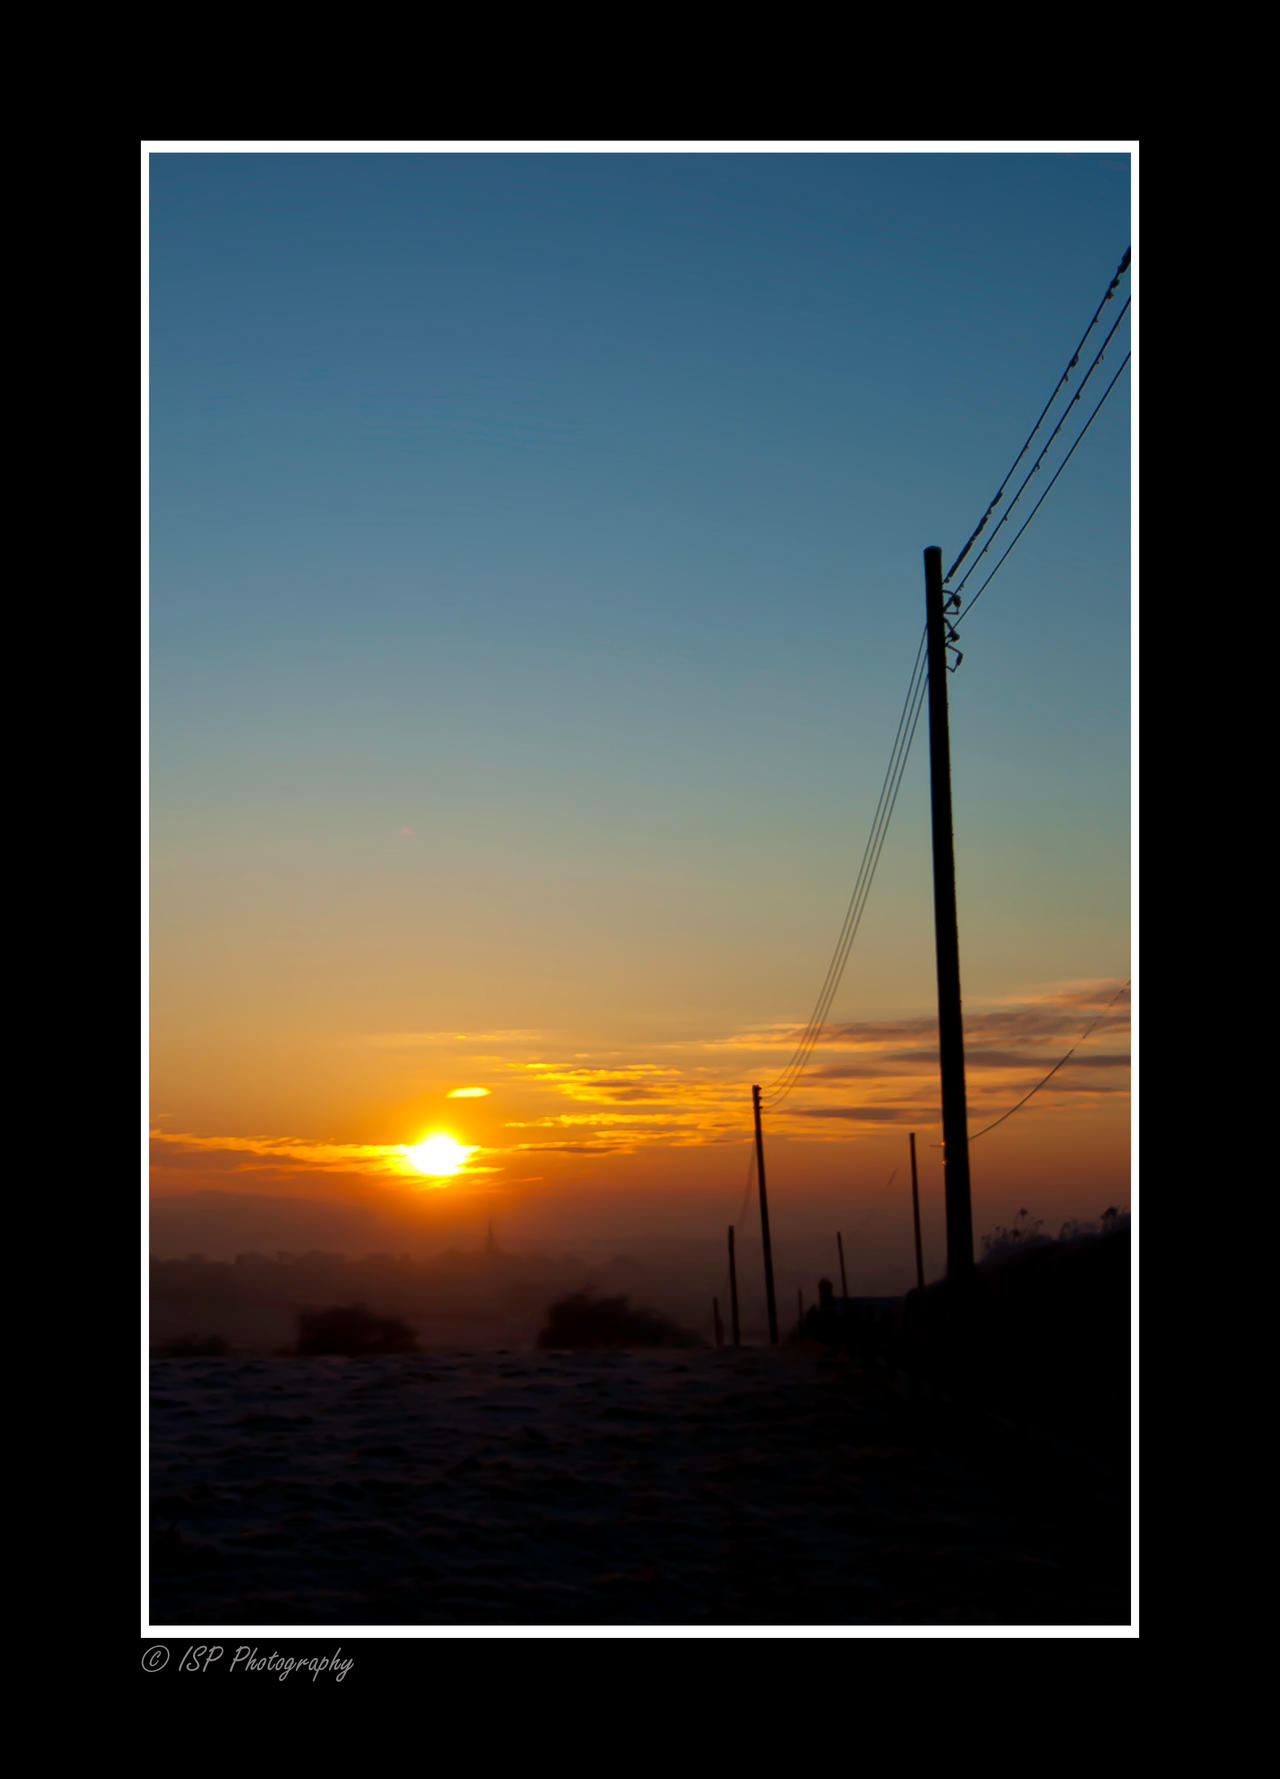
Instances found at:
x=915 y=1214
x=955 y=1117
x=733 y=1289
x=844 y=1283
x=764 y=1223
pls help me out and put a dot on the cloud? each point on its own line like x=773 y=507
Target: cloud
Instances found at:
x=696 y=1092
x=978 y=1058
x=1082 y=996
x=1050 y=1014
x=892 y=1066
x=868 y=1114
x=291 y=1155
x=850 y=1071
x=654 y=1083
x=427 y=1040
x=299 y=1148
x=598 y=1148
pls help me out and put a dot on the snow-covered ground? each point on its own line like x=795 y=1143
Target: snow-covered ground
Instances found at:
x=749 y=1487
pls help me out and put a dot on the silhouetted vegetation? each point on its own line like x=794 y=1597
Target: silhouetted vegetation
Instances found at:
x=583 y=1321
x=1040 y=1333
x=353 y=1331
x=452 y=1299
x=1026 y=1232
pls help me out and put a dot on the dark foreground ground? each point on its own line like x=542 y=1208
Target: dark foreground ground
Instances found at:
x=750 y=1488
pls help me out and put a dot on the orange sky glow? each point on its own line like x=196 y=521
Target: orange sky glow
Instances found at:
x=560 y=1139
x=535 y=575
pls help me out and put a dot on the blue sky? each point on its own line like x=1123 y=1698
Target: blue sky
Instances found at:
x=568 y=511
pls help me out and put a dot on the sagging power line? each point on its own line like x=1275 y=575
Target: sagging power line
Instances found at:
x=778 y=1089
x=1036 y=508
x=928 y=678
x=1053 y=1071
x=998 y=496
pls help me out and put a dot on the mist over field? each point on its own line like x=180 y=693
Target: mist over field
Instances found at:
x=243 y=1268
x=450 y=1300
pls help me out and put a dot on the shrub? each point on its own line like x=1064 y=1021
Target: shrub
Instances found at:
x=1020 y=1236
x=352 y=1330
x=1026 y=1233
x=583 y=1321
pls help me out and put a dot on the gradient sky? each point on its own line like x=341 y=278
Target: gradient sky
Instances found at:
x=535 y=579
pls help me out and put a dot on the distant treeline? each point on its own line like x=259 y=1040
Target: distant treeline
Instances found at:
x=254 y=1302
x=442 y=1281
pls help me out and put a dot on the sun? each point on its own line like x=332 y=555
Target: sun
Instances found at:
x=438 y=1154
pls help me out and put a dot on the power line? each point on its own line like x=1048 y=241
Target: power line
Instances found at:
x=909 y=717
x=861 y=892
x=739 y=1220
x=836 y=966
x=1044 y=450
x=746 y=1190
x=1053 y=1071
x=1121 y=269
x=1036 y=508
x=813 y=1032
x=786 y=1079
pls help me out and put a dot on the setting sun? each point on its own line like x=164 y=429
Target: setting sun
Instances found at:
x=439 y=1154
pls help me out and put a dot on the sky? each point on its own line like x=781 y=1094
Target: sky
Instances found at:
x=534 y=584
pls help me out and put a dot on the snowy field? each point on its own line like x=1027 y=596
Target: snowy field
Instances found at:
x=756 y=1487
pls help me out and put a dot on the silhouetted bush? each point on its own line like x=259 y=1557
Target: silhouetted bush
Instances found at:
x=1016 y=1239
x=194 y=1346
x=352 y=1329
x=583 y=1321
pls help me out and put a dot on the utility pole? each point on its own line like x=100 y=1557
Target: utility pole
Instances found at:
x=844 y=1283
x=955 y=1117
x=915 y=1213
x=733 y=1289
x=764 y=1223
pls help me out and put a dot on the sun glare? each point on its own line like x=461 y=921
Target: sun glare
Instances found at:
x=438 y=1154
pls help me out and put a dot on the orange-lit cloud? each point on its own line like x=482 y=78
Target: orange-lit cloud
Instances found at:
x=894 y=1079
x=861 y=1078
x=374 y=1161
x=428 y=1040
